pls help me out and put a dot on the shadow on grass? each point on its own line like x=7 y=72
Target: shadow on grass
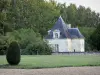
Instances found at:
x=7 y=66
x=4 y=65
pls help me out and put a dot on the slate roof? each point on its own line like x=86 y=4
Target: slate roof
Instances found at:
x=75 y=33
x=65 y=32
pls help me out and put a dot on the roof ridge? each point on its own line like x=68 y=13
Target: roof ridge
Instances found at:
x=65 y=28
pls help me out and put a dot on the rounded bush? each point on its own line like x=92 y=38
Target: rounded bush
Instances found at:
x=13 y=54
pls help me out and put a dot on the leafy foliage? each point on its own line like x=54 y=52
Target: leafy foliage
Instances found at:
x=30 y=42
x=87 y=32
x=95 y=39
x=40 y=16
x=13 y=54
x=3 y=45
x=36 y=14
x=4 y=4
x=80 y=16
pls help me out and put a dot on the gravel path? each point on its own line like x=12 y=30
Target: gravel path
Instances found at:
x=53 y=71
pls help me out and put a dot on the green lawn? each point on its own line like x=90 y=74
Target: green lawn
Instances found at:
x=51 y=61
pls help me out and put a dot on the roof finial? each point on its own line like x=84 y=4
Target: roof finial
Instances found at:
x=60 y=16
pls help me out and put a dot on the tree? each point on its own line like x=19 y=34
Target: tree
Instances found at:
x=40 y=16
x=30 y=42
x=95 y=39
x=4 y=4
x=37 y=14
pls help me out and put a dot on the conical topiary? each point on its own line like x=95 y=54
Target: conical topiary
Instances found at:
x=13 y=54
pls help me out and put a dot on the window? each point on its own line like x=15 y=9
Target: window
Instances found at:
x=56 y=48
x=56 y=35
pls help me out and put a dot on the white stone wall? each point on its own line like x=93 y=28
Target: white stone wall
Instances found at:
x=68 y=45
x=78 y=45
x=69 y=41
x=63 y=46
x=82 y=45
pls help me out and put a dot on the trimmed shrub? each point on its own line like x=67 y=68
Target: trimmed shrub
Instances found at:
x=13 y=54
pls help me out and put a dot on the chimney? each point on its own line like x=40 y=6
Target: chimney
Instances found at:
x=49 y=31
x=69 y=25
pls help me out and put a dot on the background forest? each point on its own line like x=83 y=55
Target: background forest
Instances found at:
x=27 y=22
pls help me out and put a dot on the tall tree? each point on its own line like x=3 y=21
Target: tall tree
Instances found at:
x=95 y=39
x=3 y=11
x=36 y=14
x=4 y=4
x=69 y=14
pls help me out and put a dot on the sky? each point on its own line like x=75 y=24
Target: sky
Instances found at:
x=93 y=4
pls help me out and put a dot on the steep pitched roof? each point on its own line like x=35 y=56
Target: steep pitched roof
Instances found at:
x=75 y=33
x=65 y=32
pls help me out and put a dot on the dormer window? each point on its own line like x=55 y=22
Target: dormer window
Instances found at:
x=56 y=34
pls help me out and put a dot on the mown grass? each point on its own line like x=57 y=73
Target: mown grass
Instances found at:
x=53 y=61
